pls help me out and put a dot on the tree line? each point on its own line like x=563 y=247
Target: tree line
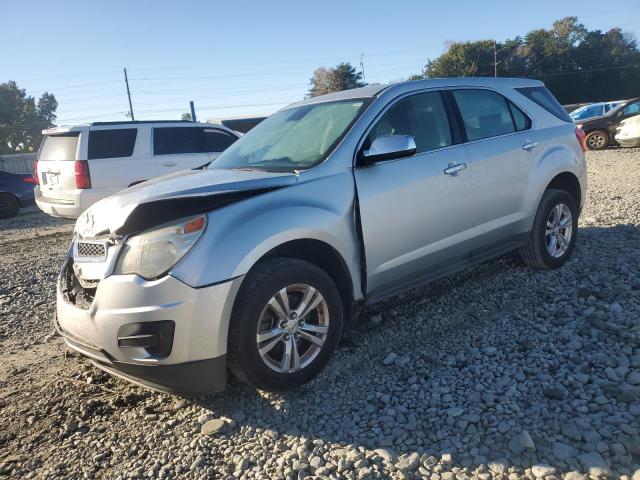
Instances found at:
x=576 y=64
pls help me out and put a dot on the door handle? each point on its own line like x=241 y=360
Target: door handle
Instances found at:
x=529 y=145
x=453 y=169
x=168 y=164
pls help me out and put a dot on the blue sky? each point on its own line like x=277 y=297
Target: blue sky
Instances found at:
x=240 y=57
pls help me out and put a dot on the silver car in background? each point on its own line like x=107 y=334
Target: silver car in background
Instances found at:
x=258 y=262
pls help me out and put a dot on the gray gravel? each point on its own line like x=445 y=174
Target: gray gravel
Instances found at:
x=497 y=372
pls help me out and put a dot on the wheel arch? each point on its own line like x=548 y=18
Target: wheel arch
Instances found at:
x=322 y=255
x=568 y=182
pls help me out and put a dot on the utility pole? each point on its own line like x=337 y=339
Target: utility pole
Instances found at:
x=495 y=59
x=362 y=67
x=193 y=111
x=126 y=81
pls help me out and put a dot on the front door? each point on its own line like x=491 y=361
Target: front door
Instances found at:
x=416 y=219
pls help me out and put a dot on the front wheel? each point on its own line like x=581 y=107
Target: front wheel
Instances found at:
x=554 y=231
x=286 y=324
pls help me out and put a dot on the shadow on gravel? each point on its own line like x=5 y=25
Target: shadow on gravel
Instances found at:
x=499 y=365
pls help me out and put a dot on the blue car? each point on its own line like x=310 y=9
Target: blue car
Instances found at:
x=16 y=191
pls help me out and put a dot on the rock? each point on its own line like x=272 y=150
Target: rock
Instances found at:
x=542 y=470
x=521 y=442
x=389 y=359
x=562 y=451
x=574 y=476
x=498 y=467
x=376 y=319
x=634 y=377
x=385 y=454
x=238 y=416
x=454 y=412
x=594 y=464
x=570 y=430
x=213 y=427
x=636 y=475
x=408 y=463
x=446 y=458
x=554 y=393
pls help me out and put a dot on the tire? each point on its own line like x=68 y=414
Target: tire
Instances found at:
x=537 y=252
x=597 y=140
x=252 y=313
x=9 y=205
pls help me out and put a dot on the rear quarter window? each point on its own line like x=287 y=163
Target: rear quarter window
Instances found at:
x=543 y=97
x=63 y=146
x=113 y=143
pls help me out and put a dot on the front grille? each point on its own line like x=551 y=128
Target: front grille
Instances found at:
x=90 y=249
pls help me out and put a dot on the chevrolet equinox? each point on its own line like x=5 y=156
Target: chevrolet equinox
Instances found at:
x=257 y=262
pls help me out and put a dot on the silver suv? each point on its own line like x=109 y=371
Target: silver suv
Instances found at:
x=259 y=261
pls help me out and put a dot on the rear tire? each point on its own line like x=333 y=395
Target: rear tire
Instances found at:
x=269 y=319
x=9 y=205
x=597 y=140
x=554 y=231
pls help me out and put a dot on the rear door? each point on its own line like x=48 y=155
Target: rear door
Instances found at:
x=119 y=157
x=415 y=212
x=56 y=163
x=185 y=147
x=502 y=150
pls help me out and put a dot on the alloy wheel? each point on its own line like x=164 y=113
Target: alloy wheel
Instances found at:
x=559 y=230
x=597 y=141
x=292 y=328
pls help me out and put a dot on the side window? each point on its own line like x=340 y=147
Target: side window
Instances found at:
x=422 y=116
x=543 y=97
x=171 y=140
x=631 y=109
x=484 y=113
x=520 y=119
x=216 y=140
x=111 y=143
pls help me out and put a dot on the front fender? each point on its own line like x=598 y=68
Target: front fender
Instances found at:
x=239 y=235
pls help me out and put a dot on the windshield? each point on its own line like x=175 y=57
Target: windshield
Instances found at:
x=587 y=111
x=292 y=139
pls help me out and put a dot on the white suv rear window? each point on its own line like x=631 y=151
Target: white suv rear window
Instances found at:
x=63 y=146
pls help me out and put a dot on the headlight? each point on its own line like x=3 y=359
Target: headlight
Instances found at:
x=579 y=125
x=152 y=253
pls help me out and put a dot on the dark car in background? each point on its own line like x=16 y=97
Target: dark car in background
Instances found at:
x=600 y=131
x=16 y=191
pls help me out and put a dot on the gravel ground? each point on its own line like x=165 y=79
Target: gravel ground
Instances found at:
x=497 y=372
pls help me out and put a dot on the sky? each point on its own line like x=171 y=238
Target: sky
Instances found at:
x=236 y=58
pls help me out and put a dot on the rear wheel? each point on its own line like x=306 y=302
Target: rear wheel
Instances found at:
x=553 y=236
x=597 y=140
x=286 y=324
x=9 y=205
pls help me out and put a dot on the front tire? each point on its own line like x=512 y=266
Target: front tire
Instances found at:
x=286 y=324
x=9 y=205
x=596 y=140
x=554 y=231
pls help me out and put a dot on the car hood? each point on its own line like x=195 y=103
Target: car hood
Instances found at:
x=174 y=196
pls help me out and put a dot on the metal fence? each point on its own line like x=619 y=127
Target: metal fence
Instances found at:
x=18 y=162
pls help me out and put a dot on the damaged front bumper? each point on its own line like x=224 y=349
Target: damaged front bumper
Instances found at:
x=161 y=334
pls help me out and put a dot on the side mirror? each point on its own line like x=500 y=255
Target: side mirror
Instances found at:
x=388 y=147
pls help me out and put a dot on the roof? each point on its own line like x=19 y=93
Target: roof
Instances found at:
x=376 y=89
x=84 y=126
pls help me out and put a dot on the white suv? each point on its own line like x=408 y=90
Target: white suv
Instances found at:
x=79 y=165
